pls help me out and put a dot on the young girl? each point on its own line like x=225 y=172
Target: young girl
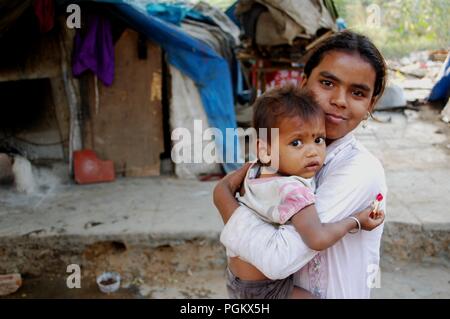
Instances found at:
x=280 y=190
x=347 y=75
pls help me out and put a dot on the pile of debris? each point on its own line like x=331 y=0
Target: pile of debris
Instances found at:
x=411 y=80
x=283 y=30
x=417 y=73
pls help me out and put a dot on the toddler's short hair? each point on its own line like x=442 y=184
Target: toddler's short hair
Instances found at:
x=282 y=102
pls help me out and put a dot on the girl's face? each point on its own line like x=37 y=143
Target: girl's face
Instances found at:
x=343 y=84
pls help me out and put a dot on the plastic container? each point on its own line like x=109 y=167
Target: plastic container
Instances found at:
x=108 y=282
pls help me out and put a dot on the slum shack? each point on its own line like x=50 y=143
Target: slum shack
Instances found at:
x=101 y=77
x=48 y=113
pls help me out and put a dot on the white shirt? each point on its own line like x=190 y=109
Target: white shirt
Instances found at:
x=274 y=200
x=348 y=182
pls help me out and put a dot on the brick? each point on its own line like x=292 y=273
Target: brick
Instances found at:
x=10 y=284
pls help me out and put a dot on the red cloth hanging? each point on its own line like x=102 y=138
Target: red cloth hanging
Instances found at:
x=45 y=12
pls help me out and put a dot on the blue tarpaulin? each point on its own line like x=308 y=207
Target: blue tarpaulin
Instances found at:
x=230 y=13
x=175 y=13
x=209 y=71
x=441 y=90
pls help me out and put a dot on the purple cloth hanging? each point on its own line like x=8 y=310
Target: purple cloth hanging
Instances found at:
x=94 y=50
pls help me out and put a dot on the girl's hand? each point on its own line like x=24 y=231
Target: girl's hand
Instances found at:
x=370 y=219
x=225 y=192
x=234 y=180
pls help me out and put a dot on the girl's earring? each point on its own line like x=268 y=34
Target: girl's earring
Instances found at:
x=365 y=121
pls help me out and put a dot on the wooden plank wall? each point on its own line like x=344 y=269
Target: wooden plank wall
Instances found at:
x=124 y=122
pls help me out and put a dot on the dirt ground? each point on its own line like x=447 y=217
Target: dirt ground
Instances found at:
x=397 y=281
x=432 y=114
x=159 y=274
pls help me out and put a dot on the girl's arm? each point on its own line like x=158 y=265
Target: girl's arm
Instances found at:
x=320 y=236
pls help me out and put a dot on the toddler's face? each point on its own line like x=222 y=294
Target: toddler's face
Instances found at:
x=301 y=146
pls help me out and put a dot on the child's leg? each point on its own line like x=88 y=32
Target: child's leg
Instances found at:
x=300 y=293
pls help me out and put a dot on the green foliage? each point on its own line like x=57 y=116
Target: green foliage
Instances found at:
x=406 y=25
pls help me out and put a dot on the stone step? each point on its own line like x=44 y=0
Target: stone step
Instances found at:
x=36 y=254
x=154 y=217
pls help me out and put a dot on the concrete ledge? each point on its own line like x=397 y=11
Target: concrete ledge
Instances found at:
x=403 y=241
x=46 y=233
x=51 y=255
x=38 y=254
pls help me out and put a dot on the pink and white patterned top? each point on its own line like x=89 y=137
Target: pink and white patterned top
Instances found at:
x=276 y=199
